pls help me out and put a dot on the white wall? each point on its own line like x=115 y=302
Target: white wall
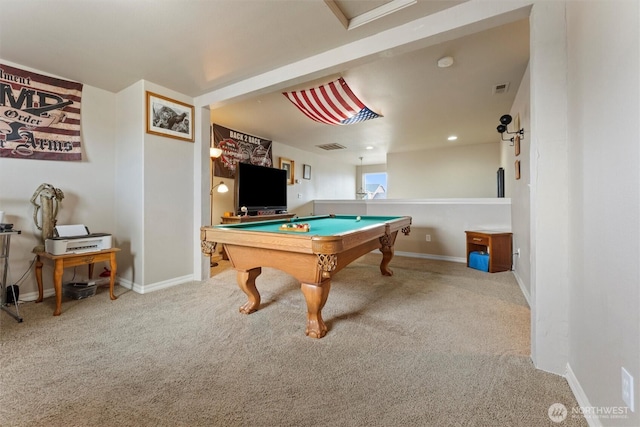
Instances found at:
x=88 y=186
x=154 y=197
x=168 y=203
x=518 y=189
x=456 y=172
x=604 y=204
x=129 y=184
x=444 y=220
x=549 y=190
x=330 y=179
x=584 y=192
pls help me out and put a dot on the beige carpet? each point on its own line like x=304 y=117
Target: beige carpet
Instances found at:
x=437 y=344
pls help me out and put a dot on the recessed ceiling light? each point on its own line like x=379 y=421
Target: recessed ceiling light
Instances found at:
x=445 y=62
x=452 y=138
x=369 y=147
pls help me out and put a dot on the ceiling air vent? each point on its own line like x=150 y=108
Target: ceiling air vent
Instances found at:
x=501 y=88
x=331 y=147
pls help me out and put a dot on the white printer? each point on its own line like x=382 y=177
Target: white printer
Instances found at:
x=76 y=239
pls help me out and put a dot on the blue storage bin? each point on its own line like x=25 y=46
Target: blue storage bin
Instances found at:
x=479 y=260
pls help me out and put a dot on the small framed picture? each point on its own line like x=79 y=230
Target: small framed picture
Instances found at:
x=289 y=166
x=516 y=143
x=306 y=171
x=517 y=168
x=170 y=118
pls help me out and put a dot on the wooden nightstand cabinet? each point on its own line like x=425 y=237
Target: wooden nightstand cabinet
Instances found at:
x=496 y=243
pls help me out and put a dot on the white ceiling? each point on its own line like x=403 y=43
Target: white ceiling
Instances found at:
x=198 y=47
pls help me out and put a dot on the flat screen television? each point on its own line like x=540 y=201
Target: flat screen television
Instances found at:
x=261 y=189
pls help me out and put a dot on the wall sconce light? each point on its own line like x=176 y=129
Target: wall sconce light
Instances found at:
x=221 y=188
x=502 y=128
x=214 y=152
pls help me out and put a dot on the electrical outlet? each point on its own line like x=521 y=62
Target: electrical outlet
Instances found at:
x=518 y=252
x=428 y=237
x=299 y=195
x=627 y=389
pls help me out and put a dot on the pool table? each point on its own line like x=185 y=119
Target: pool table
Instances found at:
x=312 y=257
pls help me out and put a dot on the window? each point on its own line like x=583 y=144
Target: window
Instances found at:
x=375 y=185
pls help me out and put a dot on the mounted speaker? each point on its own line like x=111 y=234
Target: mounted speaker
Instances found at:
x=500 y=182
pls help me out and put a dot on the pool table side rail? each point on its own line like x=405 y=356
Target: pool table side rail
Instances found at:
x=406 y=220
x=283 y=242
x=304 y=243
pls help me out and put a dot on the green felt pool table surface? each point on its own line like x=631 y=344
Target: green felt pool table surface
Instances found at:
x=319 y=226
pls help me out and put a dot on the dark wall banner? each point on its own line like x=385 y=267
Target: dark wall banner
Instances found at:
x=39 y=116
x=238 y=147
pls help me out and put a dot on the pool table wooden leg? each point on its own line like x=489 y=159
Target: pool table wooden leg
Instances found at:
x=247 y=282
x=316 y=297
x=386 y=247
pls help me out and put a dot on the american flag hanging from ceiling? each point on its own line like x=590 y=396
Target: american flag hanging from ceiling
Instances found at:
x=333 y=103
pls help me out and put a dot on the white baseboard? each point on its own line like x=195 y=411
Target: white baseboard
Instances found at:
x=581 y=396
x=32 y=296
x=145 y=289
x=46 y=293
x=125 y=283
x=524 y=290
x=128 y=284
x=430 y=256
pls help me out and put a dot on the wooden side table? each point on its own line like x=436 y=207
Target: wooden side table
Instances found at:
x=72 y=260
x=496 y=243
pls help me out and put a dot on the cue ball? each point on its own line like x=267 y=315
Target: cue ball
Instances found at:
x=358 y=218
